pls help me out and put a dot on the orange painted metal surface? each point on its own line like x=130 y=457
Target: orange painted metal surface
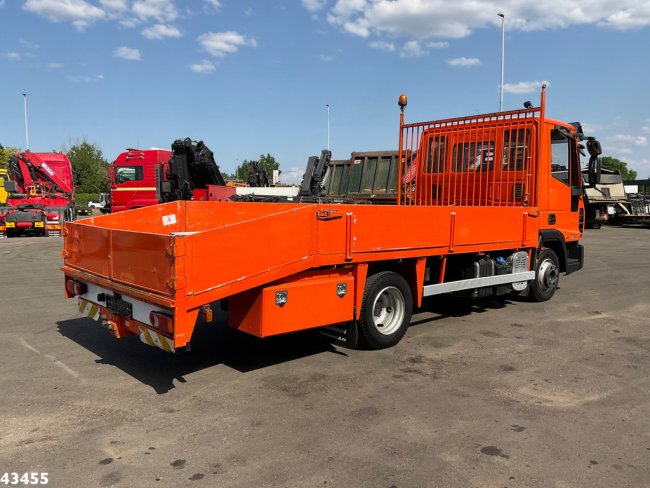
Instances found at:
x=309 y=303
x=470 y=185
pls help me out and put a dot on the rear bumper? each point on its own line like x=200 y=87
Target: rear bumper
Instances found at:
x=119 y=326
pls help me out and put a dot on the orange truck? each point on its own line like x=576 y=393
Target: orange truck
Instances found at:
x=479 y=211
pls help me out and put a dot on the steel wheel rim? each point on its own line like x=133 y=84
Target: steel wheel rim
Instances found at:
x=548 y=275
x=388 y=310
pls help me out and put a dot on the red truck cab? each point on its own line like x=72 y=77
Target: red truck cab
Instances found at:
x=133 y=178
x=40 y=195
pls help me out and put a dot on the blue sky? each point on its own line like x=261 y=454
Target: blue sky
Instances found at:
x=254 y=77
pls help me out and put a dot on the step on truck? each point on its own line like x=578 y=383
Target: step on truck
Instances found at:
x=478 y=212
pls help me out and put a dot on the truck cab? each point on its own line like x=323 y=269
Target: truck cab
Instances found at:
x=133 y=178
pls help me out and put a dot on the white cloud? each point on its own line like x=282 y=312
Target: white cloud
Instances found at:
x=160 y=10
x=524 y=86
x=54 y=65
x=127 y=53
x=640 y=141
x=437 y=45
x=292 y=176
x=221 y=43
x=85 y=78
x=216 y=4
x=645 y=129
x=465 y=63
x=160 y=31
x=116 y=5
x=79 y=12
x=204 y=67
x=412 y=49
x=313 y=5
x=328 y=58
x=2 y=3
x=425 y=19
x=13 y=56
x=385 y=46
x=31 y=45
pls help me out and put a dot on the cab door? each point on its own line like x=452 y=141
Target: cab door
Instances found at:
x=565 y=207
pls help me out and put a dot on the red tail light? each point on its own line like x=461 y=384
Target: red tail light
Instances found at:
x=76 y=288
x=162 y=321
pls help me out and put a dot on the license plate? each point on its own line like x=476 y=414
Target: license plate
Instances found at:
x=11 y=225
x=38 y=224
x=116 y=304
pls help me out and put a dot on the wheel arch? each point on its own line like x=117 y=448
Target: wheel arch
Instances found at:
x=553 y=239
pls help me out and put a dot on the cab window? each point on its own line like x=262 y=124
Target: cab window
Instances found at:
x=515 y=148
x=473 y=156
x=128 y=173
x=560 y=157
x=436 y=155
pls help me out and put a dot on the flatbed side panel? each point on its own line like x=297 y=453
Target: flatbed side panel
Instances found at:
x=205 y=216
x=233 y=257
x=401 y=229
x=143 y=260
x=86 y=248
x=156 y=219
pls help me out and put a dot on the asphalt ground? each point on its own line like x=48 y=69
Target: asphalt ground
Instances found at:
x=499 y=393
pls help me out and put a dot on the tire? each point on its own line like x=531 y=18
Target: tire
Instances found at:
x=547 y=276
x=386 y=310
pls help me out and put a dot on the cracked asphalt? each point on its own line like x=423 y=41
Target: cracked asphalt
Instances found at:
x=497 y=393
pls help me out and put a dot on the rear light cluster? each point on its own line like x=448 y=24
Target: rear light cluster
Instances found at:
x=76 y=288
x=53 y=218
x=162 y=321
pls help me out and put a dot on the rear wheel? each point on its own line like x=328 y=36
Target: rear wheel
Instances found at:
x=547 y=276
x=385 y=310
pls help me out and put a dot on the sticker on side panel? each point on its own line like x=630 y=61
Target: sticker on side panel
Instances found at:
x=169 y=219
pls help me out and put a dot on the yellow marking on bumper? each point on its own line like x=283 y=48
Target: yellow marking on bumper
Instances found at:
x=160 y=341
x=89 y=309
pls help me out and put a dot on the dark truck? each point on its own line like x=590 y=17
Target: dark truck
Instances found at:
x=366 y=175
x=607 y=202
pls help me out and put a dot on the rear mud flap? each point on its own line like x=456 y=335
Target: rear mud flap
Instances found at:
x=346 y=335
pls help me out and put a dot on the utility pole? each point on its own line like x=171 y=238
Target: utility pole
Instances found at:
x=328 y=126
x=503 y=48
x=26 y=130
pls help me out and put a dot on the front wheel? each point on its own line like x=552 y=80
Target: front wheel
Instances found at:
x=385 y=310
x=547 y=276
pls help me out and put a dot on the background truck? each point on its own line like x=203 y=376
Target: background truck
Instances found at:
x=4 y=176
x=132 y=178
x=607 y=202
x=140 y=178
x=40 y=195
x=480 y=213
x=99 y=204
x=366 y=175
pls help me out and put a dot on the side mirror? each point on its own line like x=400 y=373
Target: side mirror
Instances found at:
x=593 y=146
x=594 y=171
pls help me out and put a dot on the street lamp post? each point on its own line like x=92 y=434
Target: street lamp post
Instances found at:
x=26 y=130
x=328 y=126
x=503 y=47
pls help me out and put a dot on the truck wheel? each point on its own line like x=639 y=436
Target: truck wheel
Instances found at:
x=547 y=276
x=385 y=310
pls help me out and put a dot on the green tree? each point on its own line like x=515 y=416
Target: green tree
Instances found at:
x=5 y=154
x=266 y=162
x=89 y=167
x=614 y=164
